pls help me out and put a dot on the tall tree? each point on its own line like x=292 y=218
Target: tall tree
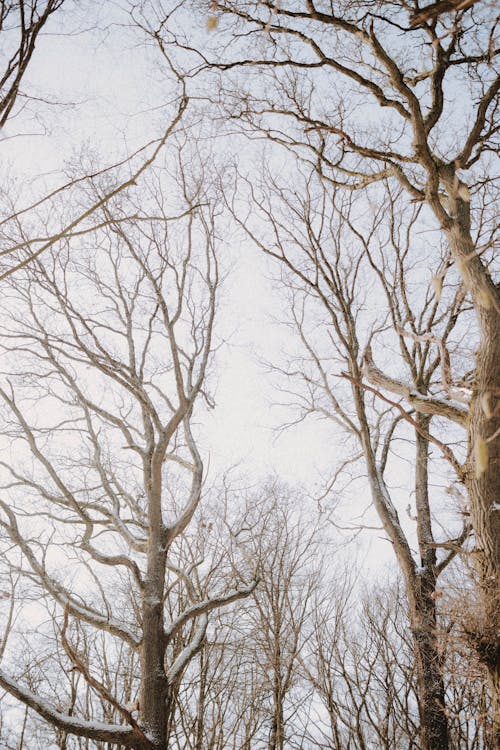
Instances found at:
x=106 y=354
x=332 y=268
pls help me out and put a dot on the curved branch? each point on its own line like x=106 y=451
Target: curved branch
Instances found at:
x=58 y=592
x=93 y=730
x=105 y=199
x=207 y=605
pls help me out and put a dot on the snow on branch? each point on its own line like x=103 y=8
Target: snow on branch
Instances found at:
x=424 y=404
x=92 y=730
x=207 y=605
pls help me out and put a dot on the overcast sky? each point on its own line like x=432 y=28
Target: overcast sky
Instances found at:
x=107 y=85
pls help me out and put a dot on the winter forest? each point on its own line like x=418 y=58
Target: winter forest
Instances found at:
x=249 y=375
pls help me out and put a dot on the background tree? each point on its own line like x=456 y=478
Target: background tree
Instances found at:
x=250 y=692
x=362 y=670
x=279 y=614
x=20 y=24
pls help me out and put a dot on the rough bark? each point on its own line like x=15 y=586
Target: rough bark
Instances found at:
x=483 y=475
x=153 y=712
x=276 y=739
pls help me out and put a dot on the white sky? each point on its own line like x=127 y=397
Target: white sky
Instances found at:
x=114 y=86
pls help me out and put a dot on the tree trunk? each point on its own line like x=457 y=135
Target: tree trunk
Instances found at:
x=484 y=489
x=422 y=610
x=483 y=476
x=152 y=703
x=200 y=713
x=276 y=739
x=419 y=586
x=430 y=685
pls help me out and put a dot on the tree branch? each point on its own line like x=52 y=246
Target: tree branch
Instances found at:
x=420 y=402
x=93 y=730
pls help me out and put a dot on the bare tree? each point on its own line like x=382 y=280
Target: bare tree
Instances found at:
x=106 y=354
x=363 y=674
x=20 y=24
x=361 y=668
x=283 y=604
x=332 y=269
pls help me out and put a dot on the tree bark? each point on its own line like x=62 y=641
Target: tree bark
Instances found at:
x=153 y=712
x=483 y=475
x=422 y=612
x=153 y=692
x=276 y=739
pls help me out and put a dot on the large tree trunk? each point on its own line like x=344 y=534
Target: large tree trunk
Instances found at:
x=276 y=737
x=483 y=476
x=484 y=494
x=153 y=692
x=153 y=712
x=430 y=685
